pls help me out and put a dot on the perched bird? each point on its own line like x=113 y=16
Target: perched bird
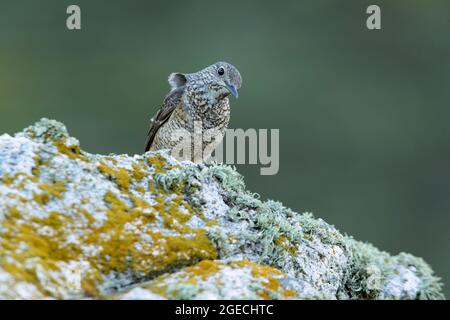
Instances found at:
x=195 y=113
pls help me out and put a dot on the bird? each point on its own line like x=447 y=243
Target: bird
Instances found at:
x=194 y=115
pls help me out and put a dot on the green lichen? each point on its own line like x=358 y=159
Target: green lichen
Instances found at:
x=370 y=267
x=47 y=130
x=233 y=185
x=180 y=181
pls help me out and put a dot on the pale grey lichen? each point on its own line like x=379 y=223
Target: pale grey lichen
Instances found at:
x=374 y=274
x=74 y=224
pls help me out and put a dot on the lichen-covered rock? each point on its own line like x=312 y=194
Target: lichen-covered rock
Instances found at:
x=78 y=225
x=219 y=280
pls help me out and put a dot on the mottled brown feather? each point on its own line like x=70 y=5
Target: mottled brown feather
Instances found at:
x=171 y=102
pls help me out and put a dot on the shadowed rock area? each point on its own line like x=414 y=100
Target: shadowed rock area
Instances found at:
x=79 y=225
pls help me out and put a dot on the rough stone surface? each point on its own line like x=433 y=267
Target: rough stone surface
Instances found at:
x=78 y=225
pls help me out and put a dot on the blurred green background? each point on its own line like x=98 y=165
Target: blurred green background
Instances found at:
x=363 y=115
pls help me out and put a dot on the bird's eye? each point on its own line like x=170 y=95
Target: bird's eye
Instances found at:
x=221 y=71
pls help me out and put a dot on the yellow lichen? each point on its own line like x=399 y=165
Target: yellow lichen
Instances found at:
x=265 y=277
x=44 y=249
x=159 y=163
x=41 y=198
x=191 y=275
x=138 y=174
x=173 y=217
x=269 y=279
x=36 y=170
x=283 y=242
x=119 y=246
x=111 y=159
x=128 y=240
x=264 y=295
x=6 y=180
x=56 y=189
x=289 y=293
x=140 y=189
x=72 y=151
x=139 y=203
x=211 y=223
x=204 y=269
x=120 y=176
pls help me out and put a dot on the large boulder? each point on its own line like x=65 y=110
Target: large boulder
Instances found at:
x=79 y=225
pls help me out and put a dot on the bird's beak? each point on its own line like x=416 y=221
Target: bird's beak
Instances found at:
x=232 y=90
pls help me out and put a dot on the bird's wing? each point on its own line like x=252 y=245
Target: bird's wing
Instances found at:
x=171 y=102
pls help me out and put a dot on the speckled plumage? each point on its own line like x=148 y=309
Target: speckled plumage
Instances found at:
x=197 y=107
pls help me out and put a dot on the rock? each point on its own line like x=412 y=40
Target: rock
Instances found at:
x=79 y=225
x=213 y=279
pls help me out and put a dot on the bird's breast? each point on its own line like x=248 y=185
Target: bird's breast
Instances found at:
x=216 y=116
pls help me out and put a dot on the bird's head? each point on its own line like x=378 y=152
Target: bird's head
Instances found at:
x=225 y=78
x=216 y=81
